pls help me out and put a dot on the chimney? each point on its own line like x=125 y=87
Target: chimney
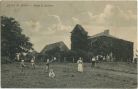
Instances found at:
x=106 y=32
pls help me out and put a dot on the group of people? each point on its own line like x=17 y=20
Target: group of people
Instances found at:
x=23 y=65
x=47 y=69
x=48 y=62
x=51 y=71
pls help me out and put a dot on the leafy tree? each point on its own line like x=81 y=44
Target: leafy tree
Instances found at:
x=12 y=39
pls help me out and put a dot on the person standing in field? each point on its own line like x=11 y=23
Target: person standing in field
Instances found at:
x=47 y=65
x=33 y=62
x=80 y=65
x=93 y=62
x=104 y=59
x=22 y=65
x=18 y=57
x=108 y=58
x=97 y=58
x=54 y=58
x=100 y=58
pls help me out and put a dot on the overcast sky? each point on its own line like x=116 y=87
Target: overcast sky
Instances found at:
x=53 y=21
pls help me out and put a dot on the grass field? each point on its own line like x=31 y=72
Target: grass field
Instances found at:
x=104 y=75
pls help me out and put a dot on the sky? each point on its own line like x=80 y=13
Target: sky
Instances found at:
x=52 y=21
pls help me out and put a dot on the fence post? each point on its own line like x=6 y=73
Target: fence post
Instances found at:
x=73 y=59
x=64 y=59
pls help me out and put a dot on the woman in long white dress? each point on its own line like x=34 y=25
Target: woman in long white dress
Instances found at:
x=80 y=65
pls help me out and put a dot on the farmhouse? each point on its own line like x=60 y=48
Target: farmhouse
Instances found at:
x=105 y=44
x=102 y=44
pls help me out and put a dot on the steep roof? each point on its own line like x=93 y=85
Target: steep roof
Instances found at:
x=59 y=45
x=78 y=27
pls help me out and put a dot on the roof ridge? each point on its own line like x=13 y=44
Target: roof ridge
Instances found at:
x=101 y=34
x=54 y=44
x=108 y=35
x=79 y=27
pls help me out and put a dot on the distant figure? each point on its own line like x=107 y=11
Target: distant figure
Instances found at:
x=104 y=59
x=47 y=65
x=80 y=65
x=33 y=62
x=100 y=58
x=51 y=73
x=93 y=62
x=97 y=59
x=108 y=58
x=17 y=56
x=54 y=58
x=22 y=65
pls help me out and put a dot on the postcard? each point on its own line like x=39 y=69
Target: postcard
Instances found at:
x=69 y=44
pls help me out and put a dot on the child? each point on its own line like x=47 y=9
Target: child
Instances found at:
x=51 y=73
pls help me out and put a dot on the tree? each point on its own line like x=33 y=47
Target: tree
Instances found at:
x=12 y=39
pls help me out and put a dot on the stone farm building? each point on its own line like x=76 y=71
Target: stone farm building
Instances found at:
x=102 y=44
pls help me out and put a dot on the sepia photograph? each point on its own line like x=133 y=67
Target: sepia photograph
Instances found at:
x=69 y=44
